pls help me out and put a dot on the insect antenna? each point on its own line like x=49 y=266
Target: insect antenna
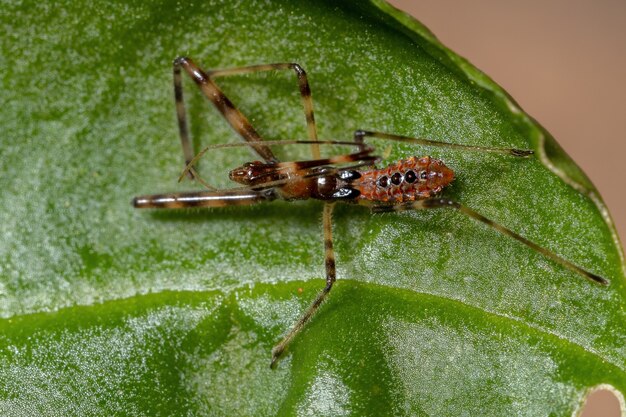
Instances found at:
x=365 y=150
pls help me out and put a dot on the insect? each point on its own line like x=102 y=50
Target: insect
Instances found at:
x=415 y=183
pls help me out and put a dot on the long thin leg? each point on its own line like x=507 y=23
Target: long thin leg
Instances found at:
x=359 y=136
x=330 y=279
x=234 y=117
x=241 y=197
x=433 y=203
x=303 y=86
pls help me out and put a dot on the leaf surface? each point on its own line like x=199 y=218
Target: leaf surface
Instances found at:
x=108 y=310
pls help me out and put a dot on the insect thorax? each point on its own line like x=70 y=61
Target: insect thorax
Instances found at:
x=292 y=182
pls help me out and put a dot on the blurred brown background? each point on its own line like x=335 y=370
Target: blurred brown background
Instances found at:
x=564 y=62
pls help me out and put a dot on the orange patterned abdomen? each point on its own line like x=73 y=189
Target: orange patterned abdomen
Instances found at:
x=407 y=180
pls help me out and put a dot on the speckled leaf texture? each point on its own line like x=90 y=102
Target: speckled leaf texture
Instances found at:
x=108 y=310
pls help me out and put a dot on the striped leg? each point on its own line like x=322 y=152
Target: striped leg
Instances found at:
x=233 y=116
x=433 y=203
x=237 y=197
x=278 y=350
x=360 y=135
x=239 y=122
x=303 y=86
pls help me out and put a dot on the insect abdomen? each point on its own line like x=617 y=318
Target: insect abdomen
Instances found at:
x=407 y=180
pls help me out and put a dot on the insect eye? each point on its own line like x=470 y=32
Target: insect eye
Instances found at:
x=396 y=178
x=383 y=181
x=410 y=177
x=423 y=175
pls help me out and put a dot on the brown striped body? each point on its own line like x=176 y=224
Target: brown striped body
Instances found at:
x=407 y=180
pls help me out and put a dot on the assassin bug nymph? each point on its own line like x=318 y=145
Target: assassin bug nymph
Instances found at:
x=410 y=184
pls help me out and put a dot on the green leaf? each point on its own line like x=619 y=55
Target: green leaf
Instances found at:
x=109 y=310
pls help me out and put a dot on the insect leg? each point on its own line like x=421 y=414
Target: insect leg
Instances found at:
x=433 y=203
x=236 y=197
x=360 y=135
x=330 y=279
x=181 y=115
x=233 y=116
x=303 y=86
